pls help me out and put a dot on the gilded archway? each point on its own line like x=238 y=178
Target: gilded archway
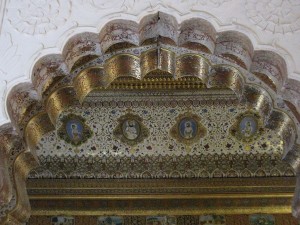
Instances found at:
x=162 y=99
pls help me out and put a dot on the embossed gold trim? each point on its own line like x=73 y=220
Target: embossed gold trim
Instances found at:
x=122 y=65
x=225 y=76
x=36 y=128
x=88 y=80
x=146 y=197
x=158 y=62
x=192 y=65
x=59 y=100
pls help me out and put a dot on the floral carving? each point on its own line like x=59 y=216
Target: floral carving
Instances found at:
x=279 y=16
x=39 y=16
x=8 y=59
x=215 y=3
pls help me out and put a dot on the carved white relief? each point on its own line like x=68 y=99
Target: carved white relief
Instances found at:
x=38 y=16
x=214 y=3
x=8 y=54
x=135 y=6
x=100 y=4
x=276 y=16
x=8 y=57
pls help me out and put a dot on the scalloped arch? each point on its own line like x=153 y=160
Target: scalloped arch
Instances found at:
x=262 y=84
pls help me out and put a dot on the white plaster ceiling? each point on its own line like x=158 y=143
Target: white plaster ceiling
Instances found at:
x=31 y=29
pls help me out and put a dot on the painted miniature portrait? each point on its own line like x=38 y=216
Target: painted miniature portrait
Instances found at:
x=248 y=127
x=156 y=220
x=74 y=130
x=131 y=129
x=188 y=128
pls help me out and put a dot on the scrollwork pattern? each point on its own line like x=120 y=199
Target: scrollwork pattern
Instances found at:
x=39 y=17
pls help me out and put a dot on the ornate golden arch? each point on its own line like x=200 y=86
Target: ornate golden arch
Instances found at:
x=157 y=54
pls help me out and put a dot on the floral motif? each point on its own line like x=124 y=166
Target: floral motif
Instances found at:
x=39 y=16
x=161 y=220
x=279 y=16
x=215 y=3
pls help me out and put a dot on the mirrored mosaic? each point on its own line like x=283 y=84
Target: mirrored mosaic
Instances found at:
x=62 y=220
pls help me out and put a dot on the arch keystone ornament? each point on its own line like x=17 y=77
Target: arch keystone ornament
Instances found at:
x=186 y=85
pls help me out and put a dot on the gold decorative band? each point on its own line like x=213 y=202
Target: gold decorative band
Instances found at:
x=122 y=65
x=158 y=62
x=59 y=100
x=192 y=65
x=88 y=80
x=36 y=128
x=224 y=76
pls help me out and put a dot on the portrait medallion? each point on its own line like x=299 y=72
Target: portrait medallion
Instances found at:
x=73 y=130
x=248 y=127
x=130 y=129
x=188 y=129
